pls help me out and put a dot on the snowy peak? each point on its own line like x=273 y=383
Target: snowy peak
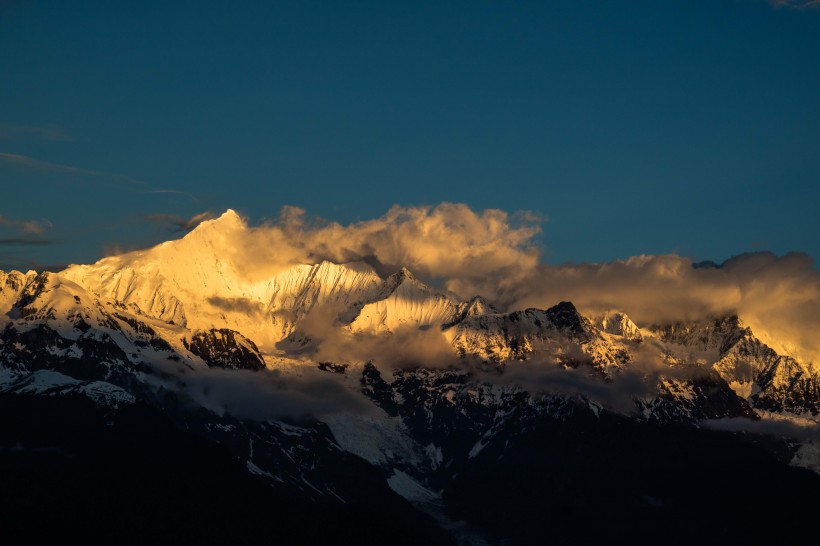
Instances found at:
x=300 y=288
x=404 y=301
x=704 y=335
x=14 y=281
x=619 y=324
x=15 y=286
x=404 y=273
x=223 y=226
x=475 y=307
x=403 y=277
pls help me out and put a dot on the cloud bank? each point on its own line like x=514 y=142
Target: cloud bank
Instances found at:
x=267 y=394
x=445 y=241
x=495 y=254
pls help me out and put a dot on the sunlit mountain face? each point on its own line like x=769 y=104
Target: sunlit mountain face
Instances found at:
x=420 y=378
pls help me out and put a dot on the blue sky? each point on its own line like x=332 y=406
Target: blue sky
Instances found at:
x=632 y=127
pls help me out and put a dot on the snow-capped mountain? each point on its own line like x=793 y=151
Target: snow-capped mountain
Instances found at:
x=250 y=361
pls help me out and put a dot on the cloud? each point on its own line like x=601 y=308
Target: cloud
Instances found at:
x=179 y=223
x=543 y=376
x=271 y=394
x=495 y=254
x=796 y=4
x=32 y=163
x=42 y=132
x=119 y=180
x=241 y=305
x=778 y=297
x=806 y=431
x=649 y=288
x=436 y=242
x=322 y=337
x=176 y=192
x=116 y=249
x=46 y=166
x=26 y=226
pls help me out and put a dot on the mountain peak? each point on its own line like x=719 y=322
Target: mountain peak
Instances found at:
x=227 y=221
x=399 y=277
x=619 y=324
x=229 y=214
x=565 y=316
x=479 y=306
x=214 y=231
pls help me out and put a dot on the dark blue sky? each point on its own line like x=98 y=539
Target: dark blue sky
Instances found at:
x=634 y=127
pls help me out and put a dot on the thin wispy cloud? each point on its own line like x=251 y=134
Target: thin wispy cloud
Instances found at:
x=796 y=4
x=179 y=223
x=33 y=163
x=176 y=192
x=40 y=132
x=26 y=226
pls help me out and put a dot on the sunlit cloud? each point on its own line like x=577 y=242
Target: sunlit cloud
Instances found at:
x=115 y=249
x=435 y=242
x=494 y=254
x=778 y=297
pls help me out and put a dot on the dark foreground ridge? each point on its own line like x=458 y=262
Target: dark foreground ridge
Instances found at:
x=74 y=474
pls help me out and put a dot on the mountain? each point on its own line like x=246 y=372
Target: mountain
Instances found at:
x=338 y=397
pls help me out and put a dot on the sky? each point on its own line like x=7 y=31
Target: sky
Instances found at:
x=629 y=128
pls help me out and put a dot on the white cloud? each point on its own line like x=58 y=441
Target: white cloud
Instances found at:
x=445 y=241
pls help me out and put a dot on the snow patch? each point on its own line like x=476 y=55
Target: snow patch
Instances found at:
x=106 y=394
x=410 y=489
x=379 y=441
x=479 y=445
x=807 y=456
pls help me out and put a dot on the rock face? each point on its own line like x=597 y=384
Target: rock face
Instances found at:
x=322 y=420
x=753 y=370
x=225 y=349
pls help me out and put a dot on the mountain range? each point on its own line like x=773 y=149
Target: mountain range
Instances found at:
x=177 y=393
